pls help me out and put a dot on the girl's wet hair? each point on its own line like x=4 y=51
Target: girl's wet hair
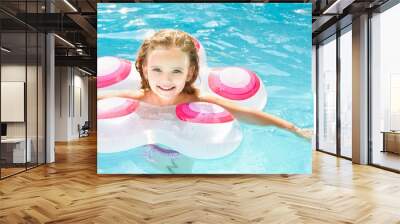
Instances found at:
x=169 y=38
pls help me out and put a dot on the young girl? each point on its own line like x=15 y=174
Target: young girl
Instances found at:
x=168 y=64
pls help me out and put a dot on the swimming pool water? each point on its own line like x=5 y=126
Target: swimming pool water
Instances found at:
x=273 y=40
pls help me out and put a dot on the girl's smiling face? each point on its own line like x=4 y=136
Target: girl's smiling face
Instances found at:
x=167 y=70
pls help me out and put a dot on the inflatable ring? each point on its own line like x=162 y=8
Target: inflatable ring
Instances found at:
x=199 y=130
x=238 y=85
x=116 y=74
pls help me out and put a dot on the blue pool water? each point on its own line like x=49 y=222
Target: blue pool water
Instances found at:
x=274 y=40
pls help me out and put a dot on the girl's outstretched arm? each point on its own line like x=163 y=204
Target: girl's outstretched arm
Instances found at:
x=253 y=116
x=136 y=95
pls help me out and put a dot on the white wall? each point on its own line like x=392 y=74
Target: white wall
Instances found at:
x=71 y=94
x=80 y=109
x=33 y=127
x=61 y=103
x=16 y=72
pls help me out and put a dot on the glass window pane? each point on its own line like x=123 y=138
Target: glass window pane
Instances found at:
x=346 y=94
x=13 y=86
x=386 y=89
x=41 y=98
x=22 y=84
x=327 y=96
x=31 y=97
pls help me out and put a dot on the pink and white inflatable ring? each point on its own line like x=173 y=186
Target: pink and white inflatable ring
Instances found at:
x=116 y=107
x=233 y=83
x=198 y=130
x=205 y=113
x=112 y=70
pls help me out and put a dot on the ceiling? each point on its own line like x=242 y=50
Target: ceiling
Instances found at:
x=331 y=15
x=76 y=20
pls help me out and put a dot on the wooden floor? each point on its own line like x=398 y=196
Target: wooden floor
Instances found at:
x=70 y=191
x=10 y=171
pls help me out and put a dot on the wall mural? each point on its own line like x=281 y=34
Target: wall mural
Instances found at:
x=197 y=88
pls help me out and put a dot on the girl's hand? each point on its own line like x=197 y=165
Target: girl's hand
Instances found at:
x=304 y=133
x=257 y=117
